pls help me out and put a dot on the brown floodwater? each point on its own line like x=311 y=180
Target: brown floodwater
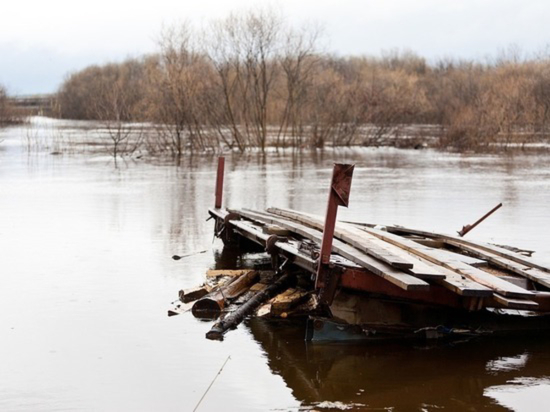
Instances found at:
x=86 y=278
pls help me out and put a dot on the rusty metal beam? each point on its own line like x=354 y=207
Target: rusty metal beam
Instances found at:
x=326 y=280
x=364 y=281
x=219 y=182
x=467 y=228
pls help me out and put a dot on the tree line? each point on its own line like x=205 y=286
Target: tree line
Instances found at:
x=8 y=113
x=252 y=81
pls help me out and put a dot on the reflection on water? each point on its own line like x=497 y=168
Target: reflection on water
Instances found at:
x=463 y=376
x=86 y=276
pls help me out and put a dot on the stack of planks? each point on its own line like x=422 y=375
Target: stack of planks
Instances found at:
x=413 y=266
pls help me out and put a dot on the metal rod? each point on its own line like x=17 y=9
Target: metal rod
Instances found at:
x=338 y=196
x=219 y=182
x=467 y=228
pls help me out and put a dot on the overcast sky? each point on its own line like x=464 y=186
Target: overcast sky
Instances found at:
x=43 y=40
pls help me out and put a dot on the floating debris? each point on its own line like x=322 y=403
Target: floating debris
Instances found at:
x=369 y=281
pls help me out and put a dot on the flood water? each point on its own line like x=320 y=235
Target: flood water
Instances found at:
x=86 y=278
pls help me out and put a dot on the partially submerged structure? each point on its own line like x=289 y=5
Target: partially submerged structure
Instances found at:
x=357 y=281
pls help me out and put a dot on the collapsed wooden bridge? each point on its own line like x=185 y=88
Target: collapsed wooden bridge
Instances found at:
x=381 y=278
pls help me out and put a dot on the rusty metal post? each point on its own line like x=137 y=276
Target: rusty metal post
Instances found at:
x=219 y=182
x=467 y=228
x=326 y=280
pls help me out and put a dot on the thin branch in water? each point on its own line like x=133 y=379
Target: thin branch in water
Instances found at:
x=212 y=383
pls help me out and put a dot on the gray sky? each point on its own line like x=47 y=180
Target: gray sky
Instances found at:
x=41 y=41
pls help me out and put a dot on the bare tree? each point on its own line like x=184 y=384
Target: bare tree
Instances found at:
x=175 y=81
x=115 y=106
x=298 y=62
x=244 y=50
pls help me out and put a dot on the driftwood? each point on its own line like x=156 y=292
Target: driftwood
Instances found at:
x=212 y=304
x=190 y=295
x=286 y=301
x=236 y=317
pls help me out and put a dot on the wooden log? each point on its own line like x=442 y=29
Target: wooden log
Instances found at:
x=233 y=319
x=215 y=273
x=287 y=300
x=212 y=304
x=393 y=275
x=500 y=286
x=192 y=294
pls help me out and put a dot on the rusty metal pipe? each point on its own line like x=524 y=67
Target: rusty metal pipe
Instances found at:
x=219 y=182
x=339 y=191
x=467 y=228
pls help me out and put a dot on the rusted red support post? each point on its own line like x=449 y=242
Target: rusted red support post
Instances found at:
x=219 y=182
x=326 y=279
x=467 y=228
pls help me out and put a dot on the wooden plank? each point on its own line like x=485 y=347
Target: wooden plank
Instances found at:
x=533 y=274
x=192 y=294
x=373 y=247
x=418 y=269
x=521 y=304
x=497 y=250
x=463 y=258
x=367 y=244
x=255 y=234
x=498 y=285
x=458 y=283
x=451 y=281
x=393 y=275
x=216 y=273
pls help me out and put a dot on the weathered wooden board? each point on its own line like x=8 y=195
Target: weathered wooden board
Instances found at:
x=287 y=300
x=255 y=234
x=530 y=273
x=463 y=258
x=498 y=285
x=452 y=280
x=521 y=304
x=215 y=273
x=192 y=294
x=367 y=244
x=393 y=275
x=494 y=249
